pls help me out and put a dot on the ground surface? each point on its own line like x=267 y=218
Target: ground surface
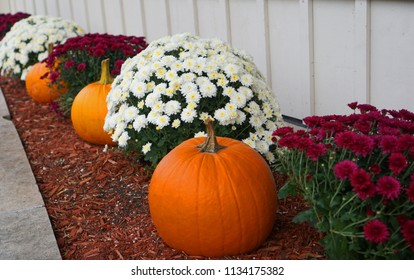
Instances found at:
x=97 y=201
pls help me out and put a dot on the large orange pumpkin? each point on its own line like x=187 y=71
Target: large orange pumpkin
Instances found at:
x=214 y=199
x=89 y=109
x=38 y=85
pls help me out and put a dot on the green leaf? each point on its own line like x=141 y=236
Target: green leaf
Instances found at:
x=307 y=215
x=286 y=190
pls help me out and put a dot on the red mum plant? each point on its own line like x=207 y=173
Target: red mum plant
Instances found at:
x=356 y=173
x=79 y=61
x=8 y=20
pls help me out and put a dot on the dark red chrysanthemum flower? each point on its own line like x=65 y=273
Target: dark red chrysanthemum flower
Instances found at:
x=364 y=108
x=397 y=163
x=360 y=178
x=282 y=131
x=345 y=139
x=388 y=143
x=344 y=169
x=361 y=183
x=410 y=191
x=69 y=64
x=353 y=105
x=405 y=142
x=376 y=231
x=363 y=145
x=389 y=187
x=375 y=169
x=408 y=232
x=81 y=66
x=315 y=151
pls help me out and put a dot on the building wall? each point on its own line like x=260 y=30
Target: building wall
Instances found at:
x=317 y=55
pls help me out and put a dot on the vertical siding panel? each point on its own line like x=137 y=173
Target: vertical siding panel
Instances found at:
x=133 y=18
x=96 y=21
x=113 y=17
x=65 y=9
x=20 y=6
x=362 y=47
x=80 y=15
x=30 y=7
x=392 y=59
x=334 y=54
x=291 y=56
x=40 y=7
x=5 y=7
x=213 y=19
x=156 y=20
x=263 y=58
x=52 y=7
x=182 y=17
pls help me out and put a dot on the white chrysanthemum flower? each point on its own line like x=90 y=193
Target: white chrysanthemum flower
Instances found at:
x=163 y=121
x=172 y=107
x=171 y=75
x=208 y=89
x=246 y=80
x=238 y=99
x=158 y=107
x=139 y=123
x=193 y=96
x=250 y=142
x=188 y=88
x=151 y=99
x=138 y=88
x=200 y=134
x=262 y=147
x=229 y=91
x=146 y=148
x=204 y=116
x=188 y=77
x=176 y=123
x=188 y=115
x=130 y=113
x=221 y=115
x=123 y=139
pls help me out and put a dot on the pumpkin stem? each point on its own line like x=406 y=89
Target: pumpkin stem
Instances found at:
x=106 y=77
x=49 y=48
x=210 y=145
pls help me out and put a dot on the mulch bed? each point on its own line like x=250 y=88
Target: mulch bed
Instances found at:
x=97 y=200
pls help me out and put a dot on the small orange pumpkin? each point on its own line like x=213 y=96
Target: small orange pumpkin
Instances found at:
x=89 y=109
x=38 y=85
x=214 y=199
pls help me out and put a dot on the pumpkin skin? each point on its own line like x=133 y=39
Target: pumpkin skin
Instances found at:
x=213 y=204
x=42 y=90
x=89 y=110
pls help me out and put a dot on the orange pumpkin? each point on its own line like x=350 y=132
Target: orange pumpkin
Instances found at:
x=38 y=85
x=89 y=109
x=214 y=199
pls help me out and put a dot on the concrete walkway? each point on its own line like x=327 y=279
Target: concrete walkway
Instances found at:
x=25 y=229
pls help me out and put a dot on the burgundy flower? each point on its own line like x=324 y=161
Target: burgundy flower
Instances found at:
x=353 y=105
x=282 y=131
x=81 y=66
x=118 y=63
x=405 y=142
x=410 y=191
x=54 y=76
x=344 y=169
x=376 y=231
x=345 y=139
x=313 y=121
x=98 y=52
x=69 y=64
x=397 y=163
x=362 y=184
x=288 y=141
x=375 y=169
x=315 y=151
x=370 y=213
x=363 y=145
x=388 y=143
x=364 y=108
x=389 y=187
x=408 y=232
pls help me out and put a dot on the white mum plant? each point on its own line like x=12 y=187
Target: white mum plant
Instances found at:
x=27 y=42
x=163 y=95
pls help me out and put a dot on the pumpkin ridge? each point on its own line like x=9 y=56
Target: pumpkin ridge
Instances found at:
x=222 y=162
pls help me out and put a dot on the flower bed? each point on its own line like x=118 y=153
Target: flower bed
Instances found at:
x=356 y=174
x=97 y=201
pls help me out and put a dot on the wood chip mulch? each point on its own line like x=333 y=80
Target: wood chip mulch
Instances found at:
x=97 y=200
